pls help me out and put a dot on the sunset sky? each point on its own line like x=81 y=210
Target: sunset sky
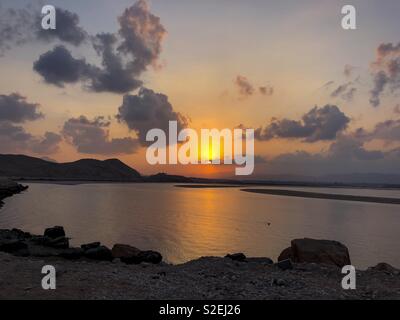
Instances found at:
x=322 y=100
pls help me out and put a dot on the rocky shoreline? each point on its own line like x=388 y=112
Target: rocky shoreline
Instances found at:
x=308 y=269
x=8 y=188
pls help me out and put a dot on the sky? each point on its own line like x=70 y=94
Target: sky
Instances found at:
x=322 y=100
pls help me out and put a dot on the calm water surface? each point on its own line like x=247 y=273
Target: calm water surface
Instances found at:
x=185 y=224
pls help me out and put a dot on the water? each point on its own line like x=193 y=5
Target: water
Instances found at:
x=184 y=224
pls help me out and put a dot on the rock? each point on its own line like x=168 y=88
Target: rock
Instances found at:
x=150 y=256
x=236 y=257
x=384 y=267
x=285 y=264
x=320 y=251
x=143 y=256
x=21 y=234
x=124 y=251
x=55 y=232
x=286 y=254
x=261 y=260
x=72 y=253
x=99 y=253
x=60 y=243
x=91 y=245
x=13 y=246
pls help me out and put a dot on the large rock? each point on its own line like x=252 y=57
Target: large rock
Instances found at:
x=12 y=246
x=317 y=251
x=71 y=253
x=236 y=257
x=124 y=251
x=91 y=245
x=99 y=253
x=150 y=256
x=55 y=232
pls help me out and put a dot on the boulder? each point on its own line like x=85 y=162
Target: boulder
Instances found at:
x=285 y=264
x=150 y=256
x=236 y=257
x=318 y=251
x=124 y=251
x=59 y=243
x=384 y=267
x=55 y=232
x=99 y=253
x=286 y=254
x=13 y=246
x=91 y=245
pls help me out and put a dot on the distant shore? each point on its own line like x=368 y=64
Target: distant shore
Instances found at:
x=317 y=195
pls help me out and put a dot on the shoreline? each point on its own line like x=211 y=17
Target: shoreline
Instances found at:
x=328 y=196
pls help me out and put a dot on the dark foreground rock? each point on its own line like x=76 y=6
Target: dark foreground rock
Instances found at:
x=205 y=278
x=54 y=243
x=9 y=188
x=317 y=251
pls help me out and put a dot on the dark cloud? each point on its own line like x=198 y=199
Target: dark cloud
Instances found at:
x=348 y=70
x=396 y=109
x=345 y=91
x=346 y=155
x=148 y=110
x=15 y=108
x=323 y=123
x=244 y=86
x=387 y=130
x=67 y=30
x=14 y=139
x=386 y=71
x=142 y=34
x=124 y=55
x=19 y=26
x=58 y=67
x=92 y=137
x=266 y=90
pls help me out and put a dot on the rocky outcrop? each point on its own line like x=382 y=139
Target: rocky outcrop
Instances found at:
x=54 y=243
x=317 y=251
x=236 y=257
x=9 y=188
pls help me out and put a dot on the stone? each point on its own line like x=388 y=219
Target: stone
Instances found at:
x=55 y=232
x=285 y=264
x=101 y=253
x=320 y=251
x=12 y=246
x=150 y=256
x=286 y=254
x=60 y=243
x=124 y=251
x=91 y=245
x=384 y=267
x=236 y=257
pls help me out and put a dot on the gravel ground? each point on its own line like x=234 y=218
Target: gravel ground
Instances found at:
x=205 y=278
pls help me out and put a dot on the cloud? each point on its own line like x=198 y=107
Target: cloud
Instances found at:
x=15 y=108
x=19 y=26
x=386 y=71
x=14 y=139
x=388 y=130
x=345 y=156
x=58 y=67
x=396 y=109
x=348 y=70
x=124 y=55
x=345 y=91
x=148 y=110
x=323 y=123
x=266 y=90
x=244 y=86
x=67 y=30
x=92 y=137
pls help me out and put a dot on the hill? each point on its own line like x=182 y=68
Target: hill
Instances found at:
x=25 y=167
